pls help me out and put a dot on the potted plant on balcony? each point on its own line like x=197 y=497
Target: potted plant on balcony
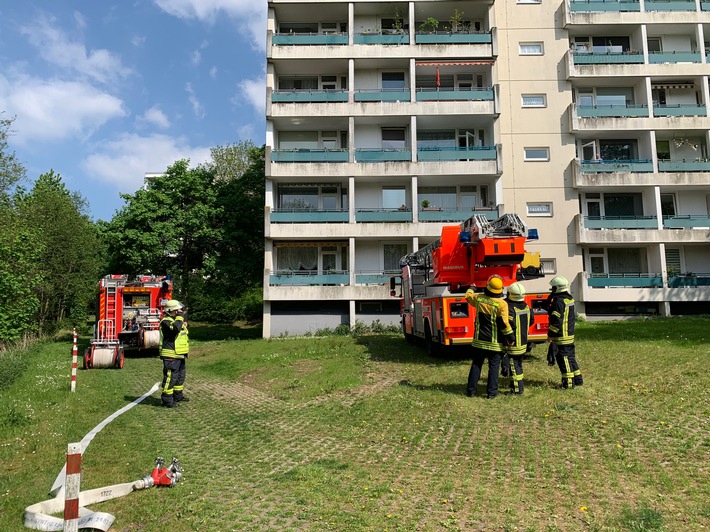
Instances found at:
x=430 y=25
x=425 y=204
x=456 y=21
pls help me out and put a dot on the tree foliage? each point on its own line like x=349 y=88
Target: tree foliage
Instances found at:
x=11 y=171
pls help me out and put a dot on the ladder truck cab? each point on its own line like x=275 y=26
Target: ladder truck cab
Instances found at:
x=434 y=279
x=128 y=317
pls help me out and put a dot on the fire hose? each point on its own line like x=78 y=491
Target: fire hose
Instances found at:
x=38 y=516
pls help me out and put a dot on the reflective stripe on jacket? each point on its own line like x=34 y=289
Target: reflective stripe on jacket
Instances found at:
x=491 y=323
x=171 y=343
x=562 y=319
x=521 y=318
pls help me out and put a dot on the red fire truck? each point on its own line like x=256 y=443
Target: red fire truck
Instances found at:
x=435 y=279
x=128 y=318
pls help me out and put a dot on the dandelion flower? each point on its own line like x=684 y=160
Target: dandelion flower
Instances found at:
x=582 y=508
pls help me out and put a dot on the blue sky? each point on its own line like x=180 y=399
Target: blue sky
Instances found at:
x=105 y=91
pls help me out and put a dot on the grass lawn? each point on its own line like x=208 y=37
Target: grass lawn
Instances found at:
x=369 y=433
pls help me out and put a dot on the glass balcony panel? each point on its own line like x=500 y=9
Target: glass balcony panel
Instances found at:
x=620 y=222
x=689 y=279
x=656 y=58
x=449 y=94
x=444 y=153
x=447 y=215
x=704 y=6
x=608 y=58
x=701 y=165
x=603 y=166
x=375 y=277
x=379 y=95
x=307 y=95
x=375 y=38
x=309 y=39
x=679 y=110
x=453 y=38
x=309 y=156
x=687 y=221
x=600 y=6
x=365 y=155
x=632 y=280
x=668 y=5
x=306 y=216
x=308 y=278
x=598 y=111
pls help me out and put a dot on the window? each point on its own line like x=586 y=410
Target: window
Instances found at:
x=443 y=197
x=298 y=140
x=539 y=209
x=392 y=254
x=393 y=80
x=534 y=100
x=549 y=266
x=537 y=154
x=393 y=138
x=530 y=48
x=393 y=197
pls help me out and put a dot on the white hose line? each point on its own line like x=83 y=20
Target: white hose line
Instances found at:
x=103 y=357
x=37 y=515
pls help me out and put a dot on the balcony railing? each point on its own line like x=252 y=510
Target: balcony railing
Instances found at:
x=630 y=57
x=308 y=155
x=381 y=38
x=686 y=221
x=681 y=109
x=376 y=277
x=655 y=58
x=383 y=95
x=624 y=111
x=309 y=278
x=599 y=6
x=630 y=280
x=383 y=215
x=669 y=5
x=689 y=279
x=433 y=214
x=701 y=165
x=309 y=39
x=454 y=153
x=449 y=93
x=445 y=37
x=370 y=155
x=616 y=165
x=704 y=6
x=308 y=216
x=620 y=222
x=308 y=95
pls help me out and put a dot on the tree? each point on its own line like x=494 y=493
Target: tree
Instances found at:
x=69 y=251
x=230 y=161
x=11 y=171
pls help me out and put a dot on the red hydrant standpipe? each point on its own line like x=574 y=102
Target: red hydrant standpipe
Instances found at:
x=164 y=476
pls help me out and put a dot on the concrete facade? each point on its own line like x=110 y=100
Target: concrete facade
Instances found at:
x=385 y=120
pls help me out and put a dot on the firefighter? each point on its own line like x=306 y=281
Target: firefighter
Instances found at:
x=561 y=332
x=491 y=330
x=521 y=318
x=174 y=348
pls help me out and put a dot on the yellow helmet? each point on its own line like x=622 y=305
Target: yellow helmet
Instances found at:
x=516 y=292
x=495 y=284
x=173 y=304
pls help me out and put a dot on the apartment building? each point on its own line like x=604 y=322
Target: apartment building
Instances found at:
x=386 y=120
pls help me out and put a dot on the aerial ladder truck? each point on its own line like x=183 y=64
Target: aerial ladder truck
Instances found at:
x=434 y=279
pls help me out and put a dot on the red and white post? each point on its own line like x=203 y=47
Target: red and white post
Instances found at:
x=73 y=363
x=72 y=485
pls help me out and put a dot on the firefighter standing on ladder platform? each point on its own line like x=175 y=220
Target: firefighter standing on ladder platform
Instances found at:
x=561 y=332
x=174 y=348
x=492 y=329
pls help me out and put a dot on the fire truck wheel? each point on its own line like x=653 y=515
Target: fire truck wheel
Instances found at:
x=432 y=348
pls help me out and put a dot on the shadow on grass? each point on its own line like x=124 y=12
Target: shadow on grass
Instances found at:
x=460 y=389
x=151 y=400
x=393 y=348
x=210 y=332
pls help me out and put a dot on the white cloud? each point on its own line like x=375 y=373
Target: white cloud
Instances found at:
x=138 y=41
x=54 y=110
x=197 y=107
x=155 y=117
x=213 y=72
x=249 y=15
x=195 y=58
x=253 y=92
x=56 y=47
x=124 y=161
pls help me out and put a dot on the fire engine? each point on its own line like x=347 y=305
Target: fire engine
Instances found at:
x=434 y=279
x=128 y=318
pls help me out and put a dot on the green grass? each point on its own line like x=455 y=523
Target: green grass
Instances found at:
x=369 y=433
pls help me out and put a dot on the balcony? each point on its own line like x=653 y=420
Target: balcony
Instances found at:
x=700 y=165
x=628 y=280
x=604 y=6
x=314 y=155
x=308 y=216
x=450 y=94
x=622 y=230
x=433 y=214
x=623 y=111
x=375 y=277
x=620 y=222
x=381 y=38
x=669 y=5
x=679 y=110
x=370 y=155
x=308 y=96
x=686 y=221
x=657 y=58
x=609 y=57
x=382 y=215
x=453 y=153
x=442 y=37
x=309 y=39
x=598 y=166
x=382 y=95
x=308 y=278
x=688 y=279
